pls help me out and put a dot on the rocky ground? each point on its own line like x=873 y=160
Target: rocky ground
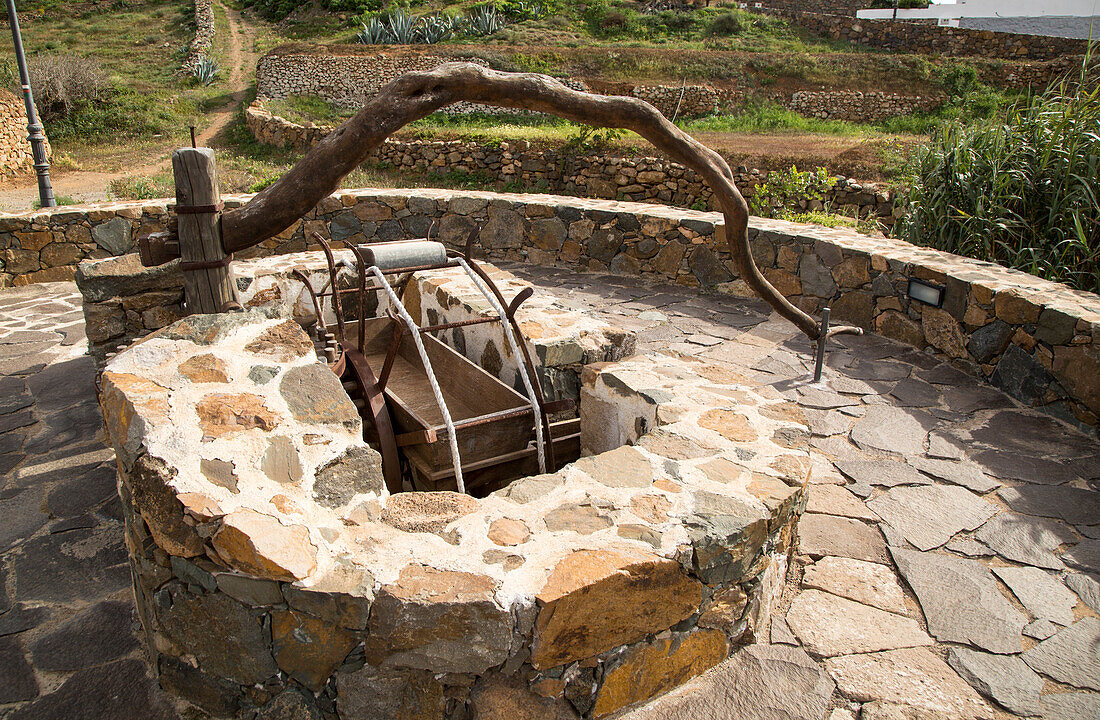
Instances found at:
x=949 y=556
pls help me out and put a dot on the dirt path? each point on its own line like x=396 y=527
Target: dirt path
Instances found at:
x=91 y=186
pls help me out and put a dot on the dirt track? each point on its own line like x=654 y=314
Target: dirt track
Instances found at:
x=91 y=186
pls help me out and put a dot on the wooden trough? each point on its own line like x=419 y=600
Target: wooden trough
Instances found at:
x=381 y=365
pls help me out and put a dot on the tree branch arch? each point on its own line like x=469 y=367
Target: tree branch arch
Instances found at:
x=418 y=94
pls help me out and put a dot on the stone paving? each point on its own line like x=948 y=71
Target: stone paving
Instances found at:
x=949 y=562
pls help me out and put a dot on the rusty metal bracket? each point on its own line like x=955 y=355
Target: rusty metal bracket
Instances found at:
x=206 y=264
x=198 y=209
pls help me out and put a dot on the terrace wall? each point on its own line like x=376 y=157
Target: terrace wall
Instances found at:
x=347 y=77
x=1037 y=340
x=15 y=150
x=637 y=179
x=926 y=39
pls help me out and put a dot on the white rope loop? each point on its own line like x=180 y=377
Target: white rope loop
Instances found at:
x=451 y=436
x=531 y=396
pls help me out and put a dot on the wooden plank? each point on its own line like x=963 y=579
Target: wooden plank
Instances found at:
x=208 y=290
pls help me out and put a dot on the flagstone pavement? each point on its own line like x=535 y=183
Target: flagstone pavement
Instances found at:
x=948 y=567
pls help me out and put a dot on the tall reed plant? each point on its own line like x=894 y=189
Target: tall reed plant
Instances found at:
x=1021 y=190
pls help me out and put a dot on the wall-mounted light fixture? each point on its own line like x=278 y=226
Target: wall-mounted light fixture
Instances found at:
x=926 y=292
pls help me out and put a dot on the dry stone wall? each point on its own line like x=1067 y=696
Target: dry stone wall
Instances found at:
x=347 y=77
x=637 y=179
x=204 y=35
x=1037 y=340
x=929 y=39
x=858 y=106
x=832 y=7
x=349 y=80
x=15 y=149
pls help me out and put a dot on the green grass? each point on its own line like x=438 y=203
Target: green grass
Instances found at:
x=139 y=45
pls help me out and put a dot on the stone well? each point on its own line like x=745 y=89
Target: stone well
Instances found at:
x=274 y=572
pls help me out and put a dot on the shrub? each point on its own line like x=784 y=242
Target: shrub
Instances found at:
x=733 y=22
x=1023 y=191
x=786 y=191
x=62 y=84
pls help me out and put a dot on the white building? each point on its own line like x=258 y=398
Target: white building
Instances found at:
x=1057 y=18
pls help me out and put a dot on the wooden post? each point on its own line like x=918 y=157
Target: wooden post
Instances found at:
x=207 y=279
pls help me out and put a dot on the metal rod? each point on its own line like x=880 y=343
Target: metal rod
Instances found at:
x=492 y=417
x=458 y=324
x=34 y=128
x=819 y=359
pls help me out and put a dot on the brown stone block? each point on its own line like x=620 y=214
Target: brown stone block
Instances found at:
x=1014 y=309
x=204 y=368
x=597 y=600
x=34 y=240
x=786 y=283
x=307 y=648
x=852 y=272
x=652 y=668
x=854 y=307
x=1078 y=368
x=895 y=325
x=283 y=342
x=730 y=425
x=260 y=545
x=943 y=332
x=439 y=620
x=224 y=413
x=149 y=482
x=499 y=698
x=389 y=693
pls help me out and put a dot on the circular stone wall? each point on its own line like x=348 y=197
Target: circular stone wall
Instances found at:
x=274 y=573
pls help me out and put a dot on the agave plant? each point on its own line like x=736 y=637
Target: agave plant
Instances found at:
x=205 y=70
x=374 y=32
x=436 y=28
x=402 y=28
x=484 y=20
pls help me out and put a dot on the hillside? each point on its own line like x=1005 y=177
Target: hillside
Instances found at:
x=141 y=101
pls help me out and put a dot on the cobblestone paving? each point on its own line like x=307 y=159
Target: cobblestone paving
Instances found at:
x=67 y=643
x=950 y=534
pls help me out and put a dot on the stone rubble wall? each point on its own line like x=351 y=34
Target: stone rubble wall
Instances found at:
x=274 y=573
x=635 y=179
x=859 y=106
x=46 y=245
x=15 y=150
x=1037 y=340
x=204 y=35
x=349 y=79
x=832 y=7
x=928 y=39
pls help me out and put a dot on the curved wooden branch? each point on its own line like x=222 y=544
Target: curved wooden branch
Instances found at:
x=418 y=94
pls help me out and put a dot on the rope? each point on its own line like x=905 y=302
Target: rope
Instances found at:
x=519 y=362
x=452 y=438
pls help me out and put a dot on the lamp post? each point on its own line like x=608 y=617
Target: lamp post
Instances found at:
x=34 y=128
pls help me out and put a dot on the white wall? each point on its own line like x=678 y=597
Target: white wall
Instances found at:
x=994 y=8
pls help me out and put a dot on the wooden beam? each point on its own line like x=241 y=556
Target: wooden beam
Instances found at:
x=418 y=94
x=207 y=279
